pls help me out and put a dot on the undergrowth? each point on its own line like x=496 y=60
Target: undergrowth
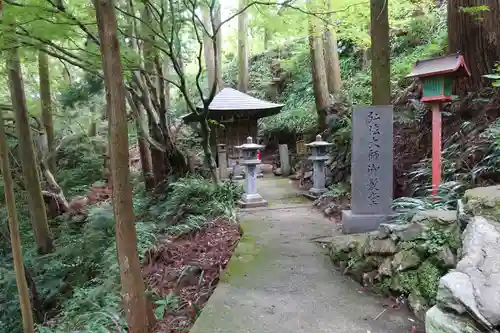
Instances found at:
x=78 y=285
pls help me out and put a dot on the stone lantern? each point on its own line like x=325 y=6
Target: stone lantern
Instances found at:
x=318 y=157
x=250 y=198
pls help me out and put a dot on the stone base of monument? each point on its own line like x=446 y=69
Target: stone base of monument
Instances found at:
x=252 y=201
x=358 y=223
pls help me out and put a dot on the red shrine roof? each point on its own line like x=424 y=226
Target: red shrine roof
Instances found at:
x=230 y=102
x=450 y=64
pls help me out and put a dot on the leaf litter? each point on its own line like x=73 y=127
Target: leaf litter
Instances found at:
x=183 y=271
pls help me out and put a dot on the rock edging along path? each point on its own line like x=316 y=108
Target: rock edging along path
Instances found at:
x=279 y=280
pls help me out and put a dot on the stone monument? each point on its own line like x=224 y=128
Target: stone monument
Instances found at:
x=251 y=198
x=222 y=157
x=236 y=167
x=371 y=169
x=284 y=160
x=318 y=157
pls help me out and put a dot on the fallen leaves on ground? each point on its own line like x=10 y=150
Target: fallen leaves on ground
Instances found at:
x=184 y=271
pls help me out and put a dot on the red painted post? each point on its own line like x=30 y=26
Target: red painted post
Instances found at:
x=436 y=147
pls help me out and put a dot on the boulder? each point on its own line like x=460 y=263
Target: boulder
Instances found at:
x=358 y=266
x=379 y=246
x=463 y=214
x=385 y=269
x=438 y=321
x=481 y=262
x=456 y=292
x=445 y=258
x=405 y=259
x=484 y=201
x=443 y=217
x=404 y=232
x=418 y=305
x=342 y=245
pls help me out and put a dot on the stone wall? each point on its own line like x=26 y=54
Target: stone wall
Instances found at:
x=403 y=259
x=468 y=297
x=445 y=263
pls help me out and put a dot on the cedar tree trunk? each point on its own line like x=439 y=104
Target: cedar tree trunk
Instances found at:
x=138 y=310
x=320 y=84
x=381 y=71
x=15 y=237
x=208 y=48
x=243 y=49
x=332 y=56
x=46 y=102
x=29 y=164
x=477 y=37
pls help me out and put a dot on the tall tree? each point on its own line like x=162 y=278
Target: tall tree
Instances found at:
x=36 y=204
x=46 y=106
x=381 y=71
x=218 y=46
x=138 y=310
x=320 y=84
x=208 y=48
x=474 y=31
x=331 y=54
x=144 y=151
x=15 y=238
x=158 y=156
x=243 y=48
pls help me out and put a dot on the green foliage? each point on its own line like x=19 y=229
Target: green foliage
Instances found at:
x=475 y=11
x=457 y=169
x=80 y=162
x=495 y=76
x=423 y=281
x=445 y=199
x=79 y=283
x=423 y=36
x=337 y=191
x=190 y=203
x=171 y=302
x=81 y=91
x=436 y=238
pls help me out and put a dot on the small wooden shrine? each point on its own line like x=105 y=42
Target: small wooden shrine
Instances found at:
x=233 y=117
x=437 y=76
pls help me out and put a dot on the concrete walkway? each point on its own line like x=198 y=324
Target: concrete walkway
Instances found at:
x=280 y=281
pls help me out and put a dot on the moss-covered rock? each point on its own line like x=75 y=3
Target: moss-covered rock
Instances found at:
x=405 y=259
x=342 y=246
x=375 y=246
x=483 y=201
x=418 y=305
x=401 y=232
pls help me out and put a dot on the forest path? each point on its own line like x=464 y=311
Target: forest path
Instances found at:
x=279 y=280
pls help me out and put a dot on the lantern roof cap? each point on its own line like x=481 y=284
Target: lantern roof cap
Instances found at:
x=450 y=64
x=318 y=142
x=249 y=145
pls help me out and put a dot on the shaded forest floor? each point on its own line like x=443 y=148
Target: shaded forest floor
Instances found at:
x=184 y=271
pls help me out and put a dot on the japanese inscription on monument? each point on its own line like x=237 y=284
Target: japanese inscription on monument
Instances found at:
x=372 y=160
x=373 y=167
